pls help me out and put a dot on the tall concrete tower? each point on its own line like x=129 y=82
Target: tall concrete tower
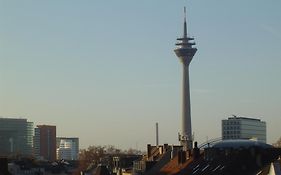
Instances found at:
x=185 y=52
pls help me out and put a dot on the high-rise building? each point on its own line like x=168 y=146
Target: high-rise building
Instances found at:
x=185 y=51
x=45 y=142
x=243 y=128
x=67 y=148
x=16 y=136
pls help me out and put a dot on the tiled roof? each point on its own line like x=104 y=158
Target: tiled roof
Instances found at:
x=173 y=167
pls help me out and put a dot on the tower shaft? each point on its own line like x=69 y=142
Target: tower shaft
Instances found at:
x=186 y=132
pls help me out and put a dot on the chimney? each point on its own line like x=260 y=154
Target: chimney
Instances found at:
x=148 y=150
x=157 y=135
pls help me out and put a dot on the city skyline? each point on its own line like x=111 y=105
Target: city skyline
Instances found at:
x=106 y=72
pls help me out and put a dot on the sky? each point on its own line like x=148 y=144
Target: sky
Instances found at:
x=106 y=72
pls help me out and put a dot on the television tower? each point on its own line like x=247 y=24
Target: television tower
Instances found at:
x=185 y=52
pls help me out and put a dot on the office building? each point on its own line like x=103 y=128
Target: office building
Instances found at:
x=45 y=142
x=16 y=137
x=243 y=128
x=67 y=148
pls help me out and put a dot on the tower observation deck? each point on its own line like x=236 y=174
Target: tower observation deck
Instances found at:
x=185 y=52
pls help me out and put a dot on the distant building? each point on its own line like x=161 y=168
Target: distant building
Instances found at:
x=15 y=137
x=123 y=164
x=243 y=128
x=45 y=142
x=67 y=148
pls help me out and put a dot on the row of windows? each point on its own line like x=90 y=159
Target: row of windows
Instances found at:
x=231 y=122
x=231 y=127
x=231 y=132
x=231 y=137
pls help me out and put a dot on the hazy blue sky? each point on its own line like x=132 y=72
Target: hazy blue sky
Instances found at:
x=105 y=71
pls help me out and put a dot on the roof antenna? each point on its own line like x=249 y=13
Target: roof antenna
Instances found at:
x=184 y=13
x=184 y=27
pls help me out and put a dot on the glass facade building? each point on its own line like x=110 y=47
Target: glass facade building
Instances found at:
x=67 y=148
x=243 y=128
x=16 y=137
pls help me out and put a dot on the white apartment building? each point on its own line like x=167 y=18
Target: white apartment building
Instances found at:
x=243 y=128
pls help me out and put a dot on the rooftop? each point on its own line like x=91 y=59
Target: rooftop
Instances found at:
x=240 y=143
x=243 y=118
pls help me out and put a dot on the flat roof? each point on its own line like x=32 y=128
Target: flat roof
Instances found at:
x=243 y=118
x=239 y=143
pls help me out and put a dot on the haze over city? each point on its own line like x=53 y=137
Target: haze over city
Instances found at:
x=106 y=71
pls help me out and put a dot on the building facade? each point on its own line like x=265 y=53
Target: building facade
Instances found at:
x=45 y=142
x=16 y=137
x=243 y=128
x=67 y=148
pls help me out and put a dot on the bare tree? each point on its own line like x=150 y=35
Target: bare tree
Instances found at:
x=110 y=149
x=131 y=151
x=278 y=143
x=90 y=157
x=94 y=155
